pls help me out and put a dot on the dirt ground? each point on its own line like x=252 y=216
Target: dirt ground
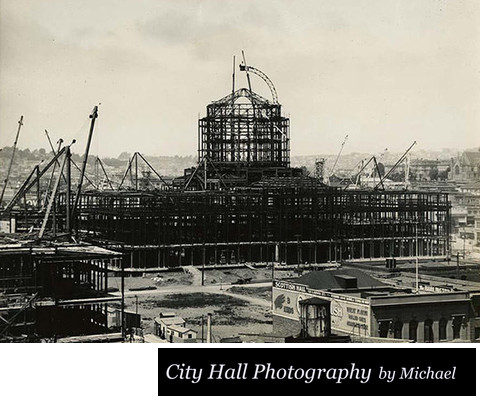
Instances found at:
x=258 y=292
x=248 y=312
x=230 y=316
x=211 y=277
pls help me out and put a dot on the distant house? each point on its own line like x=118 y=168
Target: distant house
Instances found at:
x=178 y=334
x=172 y=328
x=466 y=167
x=422 y=170
x=465 y=202
x=429 y=170
x=459 y=218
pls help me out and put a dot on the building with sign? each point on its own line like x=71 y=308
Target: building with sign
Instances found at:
x=367 y=308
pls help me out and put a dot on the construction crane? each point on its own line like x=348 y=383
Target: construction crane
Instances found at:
x=364 y=164
x=50 y=182
x=59 y=143
x=20 y=123
x=338 y=156
x=93 y=117
x=400 y=160
x=376 y=168
x=247 y=69
x=266 y=79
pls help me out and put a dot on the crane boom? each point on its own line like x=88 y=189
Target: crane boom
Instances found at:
x=20 y=123
x=338 y=155
x=93 y=117
x=266 y=79
x=400 y=160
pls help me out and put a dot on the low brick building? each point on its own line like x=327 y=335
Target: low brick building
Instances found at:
x=362 y=306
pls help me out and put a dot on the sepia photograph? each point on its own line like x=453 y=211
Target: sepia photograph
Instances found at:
x=207 y=172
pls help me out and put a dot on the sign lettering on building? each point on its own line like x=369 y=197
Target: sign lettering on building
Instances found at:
x=349 y=314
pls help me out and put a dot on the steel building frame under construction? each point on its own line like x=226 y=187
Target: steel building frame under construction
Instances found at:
x=242 y=132
x=289 y=224
x=54 y=291
x=243 y=203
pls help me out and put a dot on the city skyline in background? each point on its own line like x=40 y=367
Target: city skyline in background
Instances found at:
x=385 y=73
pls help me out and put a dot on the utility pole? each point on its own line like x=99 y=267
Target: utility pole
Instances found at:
x=209 y=328
x=20 y=123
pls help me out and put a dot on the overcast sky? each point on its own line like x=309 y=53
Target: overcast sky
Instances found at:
x=384 y=72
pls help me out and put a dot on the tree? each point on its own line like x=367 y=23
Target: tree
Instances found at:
x=443 y=176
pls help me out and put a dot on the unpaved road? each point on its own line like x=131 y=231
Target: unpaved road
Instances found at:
x=218 y=289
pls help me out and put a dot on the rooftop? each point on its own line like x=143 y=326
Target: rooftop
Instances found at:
x=335 y=279
x=170 y=321
x=54 y=249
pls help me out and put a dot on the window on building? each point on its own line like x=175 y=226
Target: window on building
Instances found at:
x=428 y=331
x=442 y=329
x=412 y=330
x=189 y=335
x=397 y=329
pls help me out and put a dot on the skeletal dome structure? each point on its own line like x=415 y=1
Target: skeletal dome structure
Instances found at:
x=244 y=128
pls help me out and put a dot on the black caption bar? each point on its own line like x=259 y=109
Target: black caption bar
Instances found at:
x=316 y=371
